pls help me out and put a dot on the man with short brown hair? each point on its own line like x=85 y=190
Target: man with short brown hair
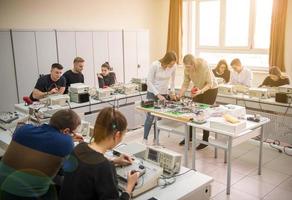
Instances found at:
x=74 y=75
x=35 y=155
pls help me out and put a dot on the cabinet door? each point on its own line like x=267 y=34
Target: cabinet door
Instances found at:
x=46 y=50
x=8 y=88
x=143 y=53
x=85 y=50
x=130 y=55
x=100 y=51
x=25 y=61
x=115 y=44
x=66 y=45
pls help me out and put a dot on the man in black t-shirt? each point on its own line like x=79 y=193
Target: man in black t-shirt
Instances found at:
x=52 y=83
x=74 y=75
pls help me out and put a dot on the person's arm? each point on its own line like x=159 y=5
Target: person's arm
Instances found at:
x=265 y=82
x=248 y=79
x=232 y=80
x=106 y=184
x=172 y=81
x=100 y=82
x=62 y=85
x=150 y=80
x=208 y=84
x=185 y=84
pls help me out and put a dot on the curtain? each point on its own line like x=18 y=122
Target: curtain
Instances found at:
x=174 y=38
x=277 y=40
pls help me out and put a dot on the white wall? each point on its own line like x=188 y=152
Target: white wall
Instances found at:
x=90 y=15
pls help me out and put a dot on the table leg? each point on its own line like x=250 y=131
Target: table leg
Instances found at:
x=187 y=138
x=216 y=149
x=261 y=151
x=156 y=134
x=194 y=138
x=229 y=165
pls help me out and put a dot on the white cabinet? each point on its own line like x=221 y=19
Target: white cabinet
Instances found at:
x=84 y=44
x=66 y=45
x=115 y=49
x=136 y=54
x=8 y=89
x=100 y=51
x=24 y=47
x=46 y=50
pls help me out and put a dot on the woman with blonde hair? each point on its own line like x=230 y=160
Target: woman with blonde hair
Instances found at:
x=221 y=70
x=275 y=78
x=160 y=74
x=204 y=83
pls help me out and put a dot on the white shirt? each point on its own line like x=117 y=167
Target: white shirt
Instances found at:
x=242 y=78
x=158 y=78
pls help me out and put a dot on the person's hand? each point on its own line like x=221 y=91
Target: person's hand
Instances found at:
x=77 y=137
x=123 y=160
x=173 y=97
x=196 y=94
x=161 y=98
x=54 y=91
x=132 y=180
x=99 y=75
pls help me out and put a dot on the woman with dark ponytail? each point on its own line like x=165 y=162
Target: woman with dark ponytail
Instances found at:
x=106 y=78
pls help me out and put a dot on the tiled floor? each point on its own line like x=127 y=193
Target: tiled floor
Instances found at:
x=274 y=183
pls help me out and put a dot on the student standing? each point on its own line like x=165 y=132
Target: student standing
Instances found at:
x=198 y=72
x=160 y=74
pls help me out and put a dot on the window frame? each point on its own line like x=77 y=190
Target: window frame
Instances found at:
x=222 y=48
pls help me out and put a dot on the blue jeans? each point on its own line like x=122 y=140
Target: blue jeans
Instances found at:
x=149 y=118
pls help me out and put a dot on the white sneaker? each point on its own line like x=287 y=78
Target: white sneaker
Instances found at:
x=155 y=142
x=145 y=142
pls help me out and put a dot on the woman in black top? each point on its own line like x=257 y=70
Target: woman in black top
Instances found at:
x=275 y=78
x=106 y=78
x=222 y=71
x=88 y=173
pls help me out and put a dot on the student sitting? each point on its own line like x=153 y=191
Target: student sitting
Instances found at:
x=74 y=75
x=35 y=155
x=53 y=83
x=222 y=71
x=275 y=78
x=106 y=78
x=240 y=75
x=88 y=173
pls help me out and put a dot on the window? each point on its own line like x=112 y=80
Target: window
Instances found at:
x=216 y=29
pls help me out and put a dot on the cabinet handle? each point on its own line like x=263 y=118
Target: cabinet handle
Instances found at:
x=138 y=66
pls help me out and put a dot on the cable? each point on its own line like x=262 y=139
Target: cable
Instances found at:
x=290 y=147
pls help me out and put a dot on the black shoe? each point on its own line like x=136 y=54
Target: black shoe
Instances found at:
x=201 y=146
x=182 y=142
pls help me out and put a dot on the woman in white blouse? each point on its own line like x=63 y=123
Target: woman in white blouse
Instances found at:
x=160 y=74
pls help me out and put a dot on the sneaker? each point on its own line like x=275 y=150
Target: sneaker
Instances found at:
x=201 y=146
x=155 y=142
x=145 y=142
x=182 y=142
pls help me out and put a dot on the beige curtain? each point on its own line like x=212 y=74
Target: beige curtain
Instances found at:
x=277 y=42
x=174 y=38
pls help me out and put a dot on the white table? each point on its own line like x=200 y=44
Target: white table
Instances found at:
x=252 y=129
x=189 y=186
x=280 y=114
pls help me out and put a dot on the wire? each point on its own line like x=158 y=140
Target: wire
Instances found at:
x=289 y=147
